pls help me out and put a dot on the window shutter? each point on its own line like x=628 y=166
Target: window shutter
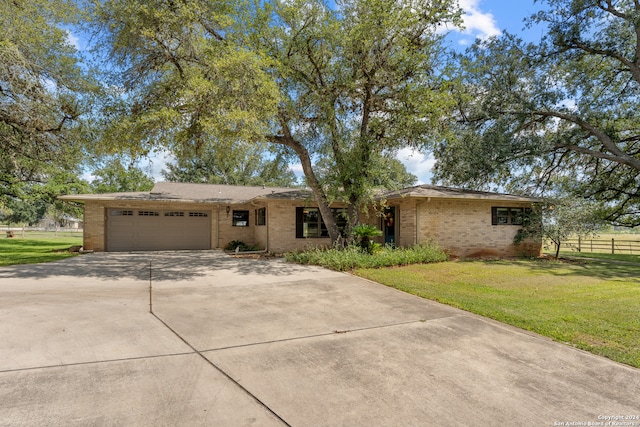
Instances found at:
x=299 y=219
x=494 y=216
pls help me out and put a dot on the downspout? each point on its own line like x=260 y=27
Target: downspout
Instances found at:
x=266 y=219
x=417 y=222
x=266 y=246
x=218 y=229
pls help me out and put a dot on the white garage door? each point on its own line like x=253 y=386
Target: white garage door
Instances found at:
x=155 y=230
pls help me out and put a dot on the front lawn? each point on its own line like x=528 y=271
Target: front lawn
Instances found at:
x=592 y=305
x=600 y=255
x=36 y=249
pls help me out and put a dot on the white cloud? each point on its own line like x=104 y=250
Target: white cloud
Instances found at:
x=476 y=22
x=50 y=84
x=297 y=169
x=155 y=162
x=73 y=40
x=88 y=176
x=417 y=163
x=569 y=104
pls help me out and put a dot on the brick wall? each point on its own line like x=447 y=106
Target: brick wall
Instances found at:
x=227 y=232
x=406 y=217
x=463 y=228
x=281 y=220
x=94 y=226
x=261 y=232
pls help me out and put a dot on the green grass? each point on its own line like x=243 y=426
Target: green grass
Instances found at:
x=599 y=255
x=592 y=305
x=354 y=257
x=36 y=248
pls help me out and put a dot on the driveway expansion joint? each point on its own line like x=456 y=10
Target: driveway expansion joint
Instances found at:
x=326 y=334
x=95 y=362
x=226 y=375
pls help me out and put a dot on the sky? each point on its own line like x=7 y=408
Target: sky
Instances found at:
x=482 y=19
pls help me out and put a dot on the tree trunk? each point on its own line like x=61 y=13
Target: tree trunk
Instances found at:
x=318 y=192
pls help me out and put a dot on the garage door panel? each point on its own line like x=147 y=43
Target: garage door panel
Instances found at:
x=157 y=230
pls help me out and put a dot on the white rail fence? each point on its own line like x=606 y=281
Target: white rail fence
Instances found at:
x=7 y=231
x=612 y=246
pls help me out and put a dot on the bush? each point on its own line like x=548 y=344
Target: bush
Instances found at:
x=364 y=234
x=353 y=257
x=241 y=246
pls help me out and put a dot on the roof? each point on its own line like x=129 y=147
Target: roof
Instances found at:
x=239 y=194
x=215 y=192
x=194 y=193
x=438 y=192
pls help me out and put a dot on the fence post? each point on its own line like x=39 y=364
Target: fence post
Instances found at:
x=579 y=244
x=613 y=246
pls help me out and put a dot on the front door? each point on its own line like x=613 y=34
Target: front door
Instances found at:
x=389 y=226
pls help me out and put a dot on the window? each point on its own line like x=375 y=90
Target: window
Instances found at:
x=199 y=214
x=121 y=213
x=240 y=218
x=309 y=222
x=174 y=214
x=508 y=216
x=261 y=216
x=148 y=213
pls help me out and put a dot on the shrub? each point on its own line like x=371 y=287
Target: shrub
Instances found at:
x=364 y=234
x=353 y=257
x=241 y=246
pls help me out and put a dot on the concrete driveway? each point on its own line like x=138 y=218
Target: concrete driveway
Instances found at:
x=237 y=342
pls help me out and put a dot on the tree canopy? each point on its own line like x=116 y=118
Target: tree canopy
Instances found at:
x=113 y=176
x=347 y=83
x=43 y=94
x=235 y=163
x=562 y=113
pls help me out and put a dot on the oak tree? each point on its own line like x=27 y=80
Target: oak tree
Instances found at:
x=44 y=93
x=347 y=82
x=563 y=111
x=119 y=174
x=231 y=163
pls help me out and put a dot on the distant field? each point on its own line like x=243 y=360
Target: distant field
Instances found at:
x=618 y=236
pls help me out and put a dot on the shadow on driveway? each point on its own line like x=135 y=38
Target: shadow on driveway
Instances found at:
x=169 y=266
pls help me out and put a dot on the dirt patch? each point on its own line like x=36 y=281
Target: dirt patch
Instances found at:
x=484 y=253
x=71 y=249
x=592 y=341
x=256 y=256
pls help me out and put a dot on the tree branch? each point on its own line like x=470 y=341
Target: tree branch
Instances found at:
x=612 y=9
x=631 y=65
x=211 y=30
x=617 y=155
